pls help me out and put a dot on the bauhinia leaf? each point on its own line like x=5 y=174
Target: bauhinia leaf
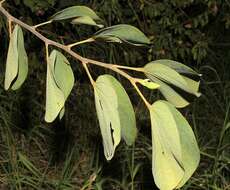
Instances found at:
x=175 y=150
x=78 y=14
x=122 y=33
x=115 y=114
x=17 y=61
x=166 y=72
x=60 y=81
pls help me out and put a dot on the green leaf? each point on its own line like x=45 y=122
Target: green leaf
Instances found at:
x=171 y=95
x=78 y=14
x=148 y=83
x=22 y=62
x=179 y=67
x=175 y=150
x=55 y=98
x=163 y=74
x=125 y=110
x=122 y=33
x=17 y=61
x=60 y=82
x=63 y=73
x=115 y=113
x=108 y=116
x=86 y=20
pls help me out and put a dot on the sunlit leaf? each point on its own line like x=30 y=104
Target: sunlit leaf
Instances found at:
x=17 y=61
x=175 y=150
x=78 y=14
x=122 y=33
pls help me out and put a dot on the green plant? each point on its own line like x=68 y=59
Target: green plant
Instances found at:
x=175 y=151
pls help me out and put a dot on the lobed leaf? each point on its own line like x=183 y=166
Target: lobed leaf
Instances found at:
x=17 y=61
x=115 y=114
x=175 y=150
x=122 y=33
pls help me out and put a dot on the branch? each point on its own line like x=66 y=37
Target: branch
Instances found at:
x=67 y=49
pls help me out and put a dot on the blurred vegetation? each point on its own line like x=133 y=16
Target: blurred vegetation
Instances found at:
x=68 y=154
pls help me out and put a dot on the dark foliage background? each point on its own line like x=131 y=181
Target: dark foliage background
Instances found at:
x=68 y=154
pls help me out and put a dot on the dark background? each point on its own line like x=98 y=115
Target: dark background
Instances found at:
x=68 y=154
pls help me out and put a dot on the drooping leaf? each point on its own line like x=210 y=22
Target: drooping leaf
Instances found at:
x=122 y=33
x=61 y=81
x=175 y=150
x=78 y=14
x=17 y=61
x=55 y=98
x=108 y=116
x=63 y=73
x=125 y=110
x=115 y=113
x=22 y=62
x=164 y=75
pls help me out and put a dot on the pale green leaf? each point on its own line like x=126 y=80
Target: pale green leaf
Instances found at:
x=108 y=116
x=86 y=20
x=175 y=150
x=125 y=110
x=163 y=74
x=22 y=62
x=171 y=95
x=148 y=83
x=115 y=113
x=12 y=59
x=122 y=33
x=78 y=14
x=55 y=98
x=179 y=67
x=63 y=73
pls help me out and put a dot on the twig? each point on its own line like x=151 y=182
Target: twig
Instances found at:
x=67 y=49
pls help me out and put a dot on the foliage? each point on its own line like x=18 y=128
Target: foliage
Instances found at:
x=209 y=106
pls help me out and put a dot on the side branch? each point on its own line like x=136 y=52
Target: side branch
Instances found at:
x=67 y=49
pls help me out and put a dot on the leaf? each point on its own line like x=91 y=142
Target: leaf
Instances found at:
x=107 y=113
x=179 y=67
x=163 y=74
x=86 y=20
x=171 y=95
x=148 y=83
x=122 y=33
x=125 y=110
x=78 y=14
x=17 y=61
x=55 y=98
x=22 y=62
x=175 y=150
x=63 y=73
x=115 y=113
